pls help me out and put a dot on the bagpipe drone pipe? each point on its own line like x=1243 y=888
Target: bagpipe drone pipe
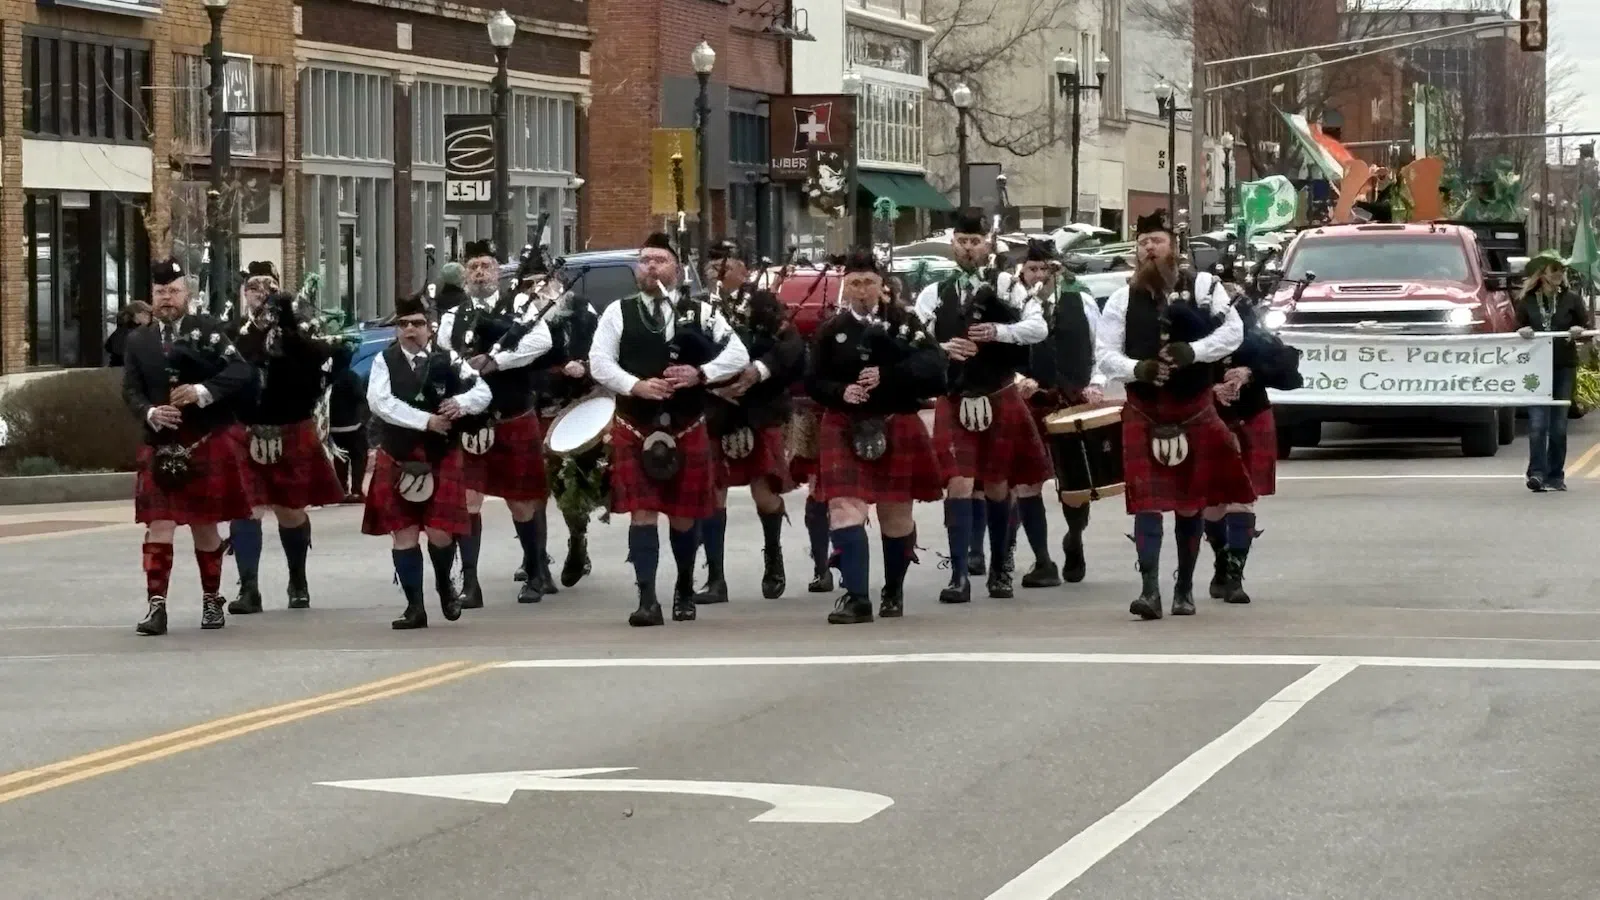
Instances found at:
x=692 y=342
x=1272 y=363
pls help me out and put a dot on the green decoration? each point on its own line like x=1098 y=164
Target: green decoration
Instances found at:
x=580 y=490
x=885 y=210
x=1530 y=383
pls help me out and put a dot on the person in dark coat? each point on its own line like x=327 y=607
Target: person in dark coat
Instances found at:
x=1547 y=304
x=130 y=318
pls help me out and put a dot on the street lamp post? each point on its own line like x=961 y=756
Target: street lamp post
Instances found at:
x=962 y=98
x=1072 y=88
x=502 y=31
x=1227 y=177
x=221 y=150
x=704 y=59
x=1167 y=104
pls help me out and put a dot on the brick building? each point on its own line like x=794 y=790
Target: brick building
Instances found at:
x=376 y=79
x=103 y=154
x=644 y=79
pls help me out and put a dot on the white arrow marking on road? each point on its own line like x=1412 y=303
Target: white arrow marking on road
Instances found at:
x=790 y=802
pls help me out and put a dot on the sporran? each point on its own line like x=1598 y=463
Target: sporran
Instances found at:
x=172 y=467
x=739 y=443
x=660 y=457
x=869 y=439
x=414 y=481
x=975 y=414
x=1169 y=445
x=266 y=445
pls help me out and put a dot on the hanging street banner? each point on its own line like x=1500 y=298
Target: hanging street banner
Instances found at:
x=666 y=194
x=468 y=164
x=801 y=125
x=1421 y=370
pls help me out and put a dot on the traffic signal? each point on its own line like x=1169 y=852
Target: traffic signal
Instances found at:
x=1535 y=25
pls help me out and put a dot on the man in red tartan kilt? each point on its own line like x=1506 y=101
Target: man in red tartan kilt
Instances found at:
x=657 y=350
x=500 y=334
x=746 y=418
x=870 y=368
x=182 y=377
x=1243 y=378
x=285 y=460
x=982 y=427
x=1161 y=334
x=419 y=392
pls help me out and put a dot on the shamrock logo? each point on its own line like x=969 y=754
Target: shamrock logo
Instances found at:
x=1530 y=382
x=1284 y=208
x=1258 y=203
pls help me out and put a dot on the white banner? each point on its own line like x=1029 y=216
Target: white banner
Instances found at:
x=1421 y=370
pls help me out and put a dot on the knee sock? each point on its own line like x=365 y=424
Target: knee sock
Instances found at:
x=1147 y=529
x=817 y=530
x=469 y=544
x=979 y=521
x=210 y=562
x=684 y=544
x=296 y=545
x=958 y=521
x=999 y=515
x=1240 y=529
x=529 y=537
x=854 y=562
x=537 y=553
x=713 y=532
x=1188 y=531
x=1077 y=518
x=1031 y=511
x=1217 y=534
x=443 y=559
x=644 y=551
x=157 y=569
x=771 y=529
x=244 y=536
x=408 y=570
x=897 y=553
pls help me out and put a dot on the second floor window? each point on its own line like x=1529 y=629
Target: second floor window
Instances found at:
x=248 y=86
x=747 y=139
x=889 y=124
x=87 y=89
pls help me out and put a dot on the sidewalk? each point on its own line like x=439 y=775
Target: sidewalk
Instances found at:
x=44 y=519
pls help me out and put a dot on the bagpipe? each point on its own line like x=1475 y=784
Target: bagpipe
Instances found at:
x=1184 y=317
x=1272 y=363
x=692 y=342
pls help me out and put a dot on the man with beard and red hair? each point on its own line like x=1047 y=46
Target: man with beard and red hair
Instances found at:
x=1161 y=334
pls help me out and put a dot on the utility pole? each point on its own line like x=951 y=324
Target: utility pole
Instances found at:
x=1199 y=175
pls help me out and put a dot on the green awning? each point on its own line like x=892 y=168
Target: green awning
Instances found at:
x=905 y=190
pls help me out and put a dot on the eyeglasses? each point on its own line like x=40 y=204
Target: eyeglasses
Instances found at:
x=411 y=323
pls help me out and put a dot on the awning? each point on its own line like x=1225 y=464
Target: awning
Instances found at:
x=905 y=190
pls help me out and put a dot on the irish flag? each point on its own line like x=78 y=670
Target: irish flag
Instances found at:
x=1327 y=154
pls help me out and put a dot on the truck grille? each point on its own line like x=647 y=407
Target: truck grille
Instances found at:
x=1308 y=318
x=1368 y=288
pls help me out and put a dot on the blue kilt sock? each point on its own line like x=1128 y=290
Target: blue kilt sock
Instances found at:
x=244 y=536
x=958 y=521
x=1147 y=529
x=855 y=563
x=644 y=551
x=999 y=528
x=1240 y=529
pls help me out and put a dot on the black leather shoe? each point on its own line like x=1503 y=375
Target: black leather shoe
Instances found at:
x=450 y=602
x=649 y=611
x=1073 y=566
x=891 y=604
x=1043 y=574
x=958 y=591
x=683 y=605
x=299 y=597
x=716 y=592
x=471 y=596
x=576 y=565
x=1183 y=599
x=1148 y=605
x=773 y=582
x=416 y=614
x=211 y=617
x=249 y=600
x=822 y=582
x=851 y=609
x=155 y=618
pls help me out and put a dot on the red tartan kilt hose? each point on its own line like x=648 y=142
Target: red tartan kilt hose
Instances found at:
x=689 y=495
x=446 y=511
x=1258 y=444
x=217 y=491
x=910 y=471
x=303 y=477
x=514 y=467
x=1009 y=450
x=769 y=460
x=1214 y=473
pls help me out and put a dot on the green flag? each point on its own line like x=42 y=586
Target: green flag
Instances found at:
x=1266 y=205
x=1585 y=258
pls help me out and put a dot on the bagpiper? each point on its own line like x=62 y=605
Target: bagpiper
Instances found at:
x=1161 y=334
x=657 y=350
x=500 y=335
x=747 y=418
x=287 y=464
x=870 y=369
x=982 y=426
x=419 y=391
x=182 y=378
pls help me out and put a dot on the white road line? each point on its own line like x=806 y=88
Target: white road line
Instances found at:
x=1133 y=659
x=1046 y=877
x=1418 y=476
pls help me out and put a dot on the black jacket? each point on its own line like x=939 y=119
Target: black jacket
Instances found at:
x=1568 y=310
x=912 y=367
x=203 y=355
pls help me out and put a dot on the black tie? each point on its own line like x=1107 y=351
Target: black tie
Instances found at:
x=417 y=361
x=166 y=337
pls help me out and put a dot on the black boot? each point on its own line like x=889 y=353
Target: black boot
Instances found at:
x=471 y=596
x=959 y=590
x=416 y=614
x=211 y=617
x=576 y=565
x=1000 y=579
x=521 y=574
x=976 y=564
x=443 y=559
x=1148 y=606
x=1073 y=566
x=249 y=600
x=547 y=582
x=1233 y=590
x=1043 y=574
x=1183 y=598
x=683 y=604
x=821 y=582
x=299 y=596
x=530 y=591
x=649 y=611
x=851 y=609
x=155 y=618
x=891 y=604
x=1219 y=570
x=773 y=582
x=716 y=592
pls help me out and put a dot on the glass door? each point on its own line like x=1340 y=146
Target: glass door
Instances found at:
x=347 y=269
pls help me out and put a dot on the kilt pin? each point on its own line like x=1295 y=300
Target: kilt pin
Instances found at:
x=514 y=468
x=303 y=477
x=1258 y=444
x=386 y=512
x=1214 y=473
x=1009 y=450
x=691 y=494
x=910 y=471
x=218 y=489
x=768 y=459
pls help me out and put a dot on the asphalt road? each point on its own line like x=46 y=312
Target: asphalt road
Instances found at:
x=1407 y=710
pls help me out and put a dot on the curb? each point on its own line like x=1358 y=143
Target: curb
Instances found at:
x=92 y=488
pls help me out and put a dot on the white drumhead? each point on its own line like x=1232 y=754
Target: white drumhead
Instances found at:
x=1068 y=420
x=581 y=424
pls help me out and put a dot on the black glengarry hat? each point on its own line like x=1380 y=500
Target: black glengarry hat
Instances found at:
x=725 y=249
x=166 y=271
x=1040 y=250
x=861 y=261
x=658 y=240
x=968 y=222
x=475 y=249
x=413 y=305
x=1156 y=221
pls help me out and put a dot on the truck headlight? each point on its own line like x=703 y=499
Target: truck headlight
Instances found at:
x=1275 y=319
x=1461 y=315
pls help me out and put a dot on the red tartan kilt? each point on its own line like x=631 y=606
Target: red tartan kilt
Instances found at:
x=446 y=511
x=514 y=468
x=218 y=491
x=304 y=477
x=1214 y=473
x=909 y=472
x=691 y=495
x=1009 y=450
x=768 y=460
x=1258 y=444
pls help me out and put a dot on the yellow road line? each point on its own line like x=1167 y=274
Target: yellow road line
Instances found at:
x=1588 y=456
x=115 y=759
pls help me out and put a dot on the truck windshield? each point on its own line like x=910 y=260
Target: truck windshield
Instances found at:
x=1412 y=257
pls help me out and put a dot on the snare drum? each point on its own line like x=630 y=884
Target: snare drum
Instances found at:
x=1086 y=445
x=582 y=427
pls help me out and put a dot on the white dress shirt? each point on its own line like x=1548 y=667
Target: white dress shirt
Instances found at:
x=1030 y=328
x=1111 y=356
x=386 y=406
x=609 y=373
x=534 y=344
x=1091 y=311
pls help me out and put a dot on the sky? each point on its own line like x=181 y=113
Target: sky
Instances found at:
x=1580 y=18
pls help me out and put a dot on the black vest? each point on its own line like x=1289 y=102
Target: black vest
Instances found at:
x=416 y=389
x=1147 y=333
x=995 y=365
x=1065 y=360
x=644 y=352
x=513 y=389
x=570 y=337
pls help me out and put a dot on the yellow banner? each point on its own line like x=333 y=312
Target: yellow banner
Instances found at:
x=665 y=143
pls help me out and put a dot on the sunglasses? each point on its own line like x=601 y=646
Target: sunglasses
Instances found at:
x=411 y=323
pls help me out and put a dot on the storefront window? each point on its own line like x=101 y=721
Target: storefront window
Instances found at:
x=84 y=255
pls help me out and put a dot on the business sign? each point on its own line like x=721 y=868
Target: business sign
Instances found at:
x=674 y=181
x=801 y=125
x=147 y=9
x=468 y=164
x=1421 y=370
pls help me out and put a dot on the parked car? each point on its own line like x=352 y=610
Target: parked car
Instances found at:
x=1413 y=278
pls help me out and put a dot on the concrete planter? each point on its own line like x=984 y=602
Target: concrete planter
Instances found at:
x=99 y=487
